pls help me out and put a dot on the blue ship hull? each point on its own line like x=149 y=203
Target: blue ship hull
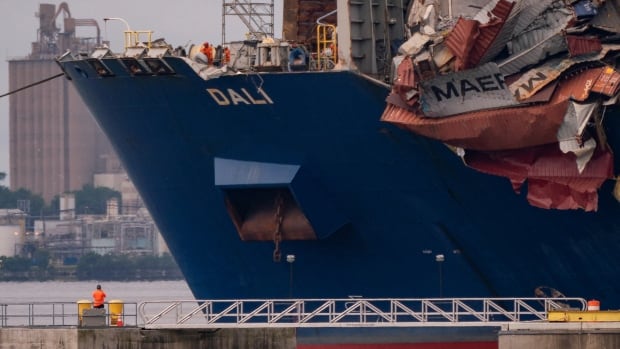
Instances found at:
x=383 y=202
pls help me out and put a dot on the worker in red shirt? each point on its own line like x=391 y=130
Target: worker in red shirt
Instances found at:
x=98 y=297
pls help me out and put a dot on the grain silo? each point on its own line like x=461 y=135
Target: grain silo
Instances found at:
x=55 y=145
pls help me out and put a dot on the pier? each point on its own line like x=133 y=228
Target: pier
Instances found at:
x=550 y=323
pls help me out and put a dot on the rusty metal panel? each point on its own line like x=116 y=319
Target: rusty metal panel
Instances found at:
x=461 y=40
x=553 y=179
x=583 y=81
x=405 y=82
x=608 y=83
x=309 y=12
x=299 y=18
x=289 y=19
x=473 y=40
x=581 y=45
x=465 y=91
x=508 y=128
x=493 y=37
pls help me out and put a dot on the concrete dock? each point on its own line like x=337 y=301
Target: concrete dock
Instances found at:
x=137 y=338
x=567 y=335
x=513 y=336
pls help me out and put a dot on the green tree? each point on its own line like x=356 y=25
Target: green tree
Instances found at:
x=119 y=267
x=88 y=200
x=16 y=264
x=88 y=266
x=54 y=206
x=91 y=200
x=8 y=199
x=124 y=267
x=41 y=258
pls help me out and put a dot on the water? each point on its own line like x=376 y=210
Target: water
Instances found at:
x=58 y=291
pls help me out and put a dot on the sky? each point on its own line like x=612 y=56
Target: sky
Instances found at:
x=178 y=21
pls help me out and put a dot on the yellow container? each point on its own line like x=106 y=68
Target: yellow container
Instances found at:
x=116 y=312
x=83 y=304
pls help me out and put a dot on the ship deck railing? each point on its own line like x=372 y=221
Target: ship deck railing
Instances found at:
x=350 y=312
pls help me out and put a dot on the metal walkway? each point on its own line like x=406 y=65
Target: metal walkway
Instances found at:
x=350 y=312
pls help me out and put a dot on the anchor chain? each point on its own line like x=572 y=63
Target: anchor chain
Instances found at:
x=277 y=234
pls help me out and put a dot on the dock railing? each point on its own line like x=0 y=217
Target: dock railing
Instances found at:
x=61 y=314
x=260 y=313
x=350 y=312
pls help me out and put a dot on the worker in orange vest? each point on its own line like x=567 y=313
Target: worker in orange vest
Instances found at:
x=98 y=297
x=208 y=51
x=226 y=55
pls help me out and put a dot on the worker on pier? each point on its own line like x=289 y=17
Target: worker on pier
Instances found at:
x=98 y=297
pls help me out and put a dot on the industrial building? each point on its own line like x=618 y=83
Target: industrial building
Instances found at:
x=55 y=144
x=12 y=228
x=71 y=236
x=56 y=148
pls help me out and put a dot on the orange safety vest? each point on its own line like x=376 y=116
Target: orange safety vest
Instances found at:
x=211 y=54
x=226 y=55
x=98 y=297
x=208 y=51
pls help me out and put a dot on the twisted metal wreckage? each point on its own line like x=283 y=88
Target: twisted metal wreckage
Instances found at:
x=519 y=89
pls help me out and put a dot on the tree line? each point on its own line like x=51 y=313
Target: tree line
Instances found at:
x=91 y=266
x=89 y=200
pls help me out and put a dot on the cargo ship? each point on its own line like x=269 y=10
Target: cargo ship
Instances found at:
x=402 y=149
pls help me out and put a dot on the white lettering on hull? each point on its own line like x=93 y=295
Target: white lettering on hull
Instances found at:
x=241 y=96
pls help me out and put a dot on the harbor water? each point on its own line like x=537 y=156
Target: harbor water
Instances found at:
x=56 y=303
x=127 y=291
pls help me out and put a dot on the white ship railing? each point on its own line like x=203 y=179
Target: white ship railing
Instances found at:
x=350 y=312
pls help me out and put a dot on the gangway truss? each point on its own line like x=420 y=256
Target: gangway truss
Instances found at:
x=350 y=312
